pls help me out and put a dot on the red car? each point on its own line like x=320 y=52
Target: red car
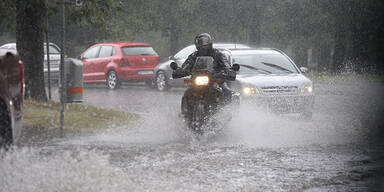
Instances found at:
x=116 y=62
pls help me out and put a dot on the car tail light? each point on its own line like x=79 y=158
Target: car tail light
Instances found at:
x=124 y=62
x=21 y=81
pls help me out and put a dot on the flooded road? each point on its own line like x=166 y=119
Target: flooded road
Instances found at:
x=258 y=151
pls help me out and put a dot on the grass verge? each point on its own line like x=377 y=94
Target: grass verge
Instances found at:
x=78 y=117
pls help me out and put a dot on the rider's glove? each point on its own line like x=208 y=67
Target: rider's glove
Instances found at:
x=178 y=73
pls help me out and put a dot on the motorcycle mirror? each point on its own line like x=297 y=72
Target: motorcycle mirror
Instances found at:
x=174 y=66
x=236 y=67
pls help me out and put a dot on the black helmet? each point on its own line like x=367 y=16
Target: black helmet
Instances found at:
x=203 y=41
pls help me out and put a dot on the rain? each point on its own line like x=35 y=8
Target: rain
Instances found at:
x=123 y=127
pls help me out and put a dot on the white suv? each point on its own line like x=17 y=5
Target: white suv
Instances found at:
x=268 y=77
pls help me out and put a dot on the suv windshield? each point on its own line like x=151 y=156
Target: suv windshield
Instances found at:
x=135 y=51
x=52 y=50
x=264 y=63
x=184 y=53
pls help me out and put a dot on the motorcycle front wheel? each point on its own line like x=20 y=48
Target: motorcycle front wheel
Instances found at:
x=198 y=117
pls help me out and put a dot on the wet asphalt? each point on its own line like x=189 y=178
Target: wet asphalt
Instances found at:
x=338 y=150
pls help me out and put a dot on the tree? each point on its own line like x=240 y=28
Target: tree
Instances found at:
x=350 y=29
x=7 y=12
x=29 y=39
x=174 y=19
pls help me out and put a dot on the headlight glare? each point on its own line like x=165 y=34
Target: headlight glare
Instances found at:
x=306 y=89
x=248 y=90
x=201 y=80
x=309 y=89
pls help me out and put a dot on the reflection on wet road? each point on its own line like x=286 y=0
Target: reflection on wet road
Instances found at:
x=257 y=151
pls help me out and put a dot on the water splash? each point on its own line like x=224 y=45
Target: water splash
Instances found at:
x=30 y=169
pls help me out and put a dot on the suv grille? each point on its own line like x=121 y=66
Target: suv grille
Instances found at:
x=276 y=90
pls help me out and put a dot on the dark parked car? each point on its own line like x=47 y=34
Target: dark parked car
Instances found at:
x=163 y=72
x=11 y=97
x=268 y=77
x=113 y=63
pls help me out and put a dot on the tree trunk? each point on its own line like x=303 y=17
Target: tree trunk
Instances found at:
x=29 y=40
x=324 y=57
x=340 y=48
x=301 y=55
x=379 y=49
x=174 y=38
x=254 y=29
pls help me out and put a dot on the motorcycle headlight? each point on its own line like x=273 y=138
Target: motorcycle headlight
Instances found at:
x=201 y=80
x=307 y=88
x=249 y=90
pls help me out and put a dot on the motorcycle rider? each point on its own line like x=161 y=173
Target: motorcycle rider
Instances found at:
x=203 y=43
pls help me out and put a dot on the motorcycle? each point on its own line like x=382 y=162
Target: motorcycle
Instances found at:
x=205 y=97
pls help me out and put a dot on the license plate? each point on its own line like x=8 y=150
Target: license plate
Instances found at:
x=145 y=72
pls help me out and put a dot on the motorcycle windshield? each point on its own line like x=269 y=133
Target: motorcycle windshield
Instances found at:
x=204 y=63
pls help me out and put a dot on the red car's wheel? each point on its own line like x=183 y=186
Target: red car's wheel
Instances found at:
x=113 y=80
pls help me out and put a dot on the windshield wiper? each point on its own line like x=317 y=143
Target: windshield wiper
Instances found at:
x=277 y=67
x=256 y=69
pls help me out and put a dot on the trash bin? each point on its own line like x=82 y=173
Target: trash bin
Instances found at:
x=73 y=71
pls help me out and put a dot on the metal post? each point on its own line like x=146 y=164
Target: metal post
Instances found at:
x=62 y=78
x=47 y=45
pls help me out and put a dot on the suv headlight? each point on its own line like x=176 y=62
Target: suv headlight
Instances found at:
x=249 y=90
x=306 y=88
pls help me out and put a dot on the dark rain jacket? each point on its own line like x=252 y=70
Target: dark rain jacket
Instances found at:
x=220 y=60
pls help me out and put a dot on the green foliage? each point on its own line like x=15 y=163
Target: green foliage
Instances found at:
x=291 y=25
x=92 y=12
x=7 y=13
